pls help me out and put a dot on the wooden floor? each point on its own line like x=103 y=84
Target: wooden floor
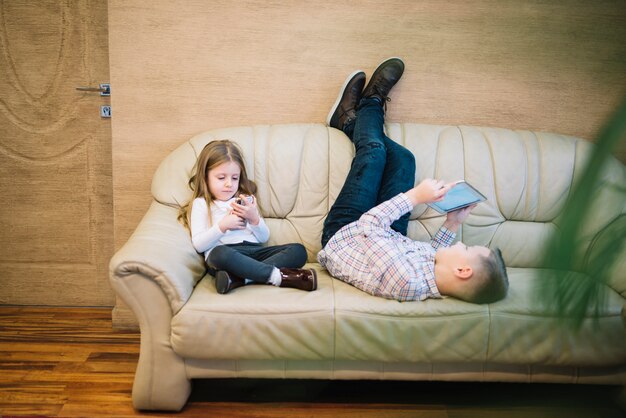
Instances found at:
x=69 y=362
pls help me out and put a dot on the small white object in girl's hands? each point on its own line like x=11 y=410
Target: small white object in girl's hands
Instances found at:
x=246 y=199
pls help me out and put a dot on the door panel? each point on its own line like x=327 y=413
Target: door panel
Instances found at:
x=55 y=154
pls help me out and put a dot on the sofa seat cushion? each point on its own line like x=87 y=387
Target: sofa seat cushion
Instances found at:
x=516 y=330
x=256 y=322
x=526 y=331
x=434 y=330
x=341 y=322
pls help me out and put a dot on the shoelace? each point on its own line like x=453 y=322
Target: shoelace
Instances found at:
x=385 y=100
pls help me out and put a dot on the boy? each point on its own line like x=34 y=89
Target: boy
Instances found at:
x=364 y=242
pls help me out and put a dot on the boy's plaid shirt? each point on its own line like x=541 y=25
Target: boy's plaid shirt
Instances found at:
x=371 y=256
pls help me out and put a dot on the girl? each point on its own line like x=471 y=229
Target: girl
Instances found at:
x=226 y=226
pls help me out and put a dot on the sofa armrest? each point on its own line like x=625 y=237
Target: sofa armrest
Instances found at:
x=160 y=249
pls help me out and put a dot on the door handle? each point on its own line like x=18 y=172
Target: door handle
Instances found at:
x=104 y=89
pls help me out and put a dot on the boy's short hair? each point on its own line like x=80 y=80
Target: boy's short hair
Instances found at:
x=492 y=282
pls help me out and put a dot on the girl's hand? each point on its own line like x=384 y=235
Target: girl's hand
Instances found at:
x=231 y=222
x=247 y=211
x=429 y=190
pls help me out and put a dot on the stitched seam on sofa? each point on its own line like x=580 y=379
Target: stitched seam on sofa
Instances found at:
x=267 y=173
x=334 y=322
x=489 y=330
x=299 y=173
x=437 y=152
x=328 y=170
x=546 y=315
x=571 y=186
x=252 y=170
x=527 y=191
x=540 y=174
x=492 y=160
x=462 y=137
x=292 y=224
x=205 y=314
x=440 y=317
x=461 y=227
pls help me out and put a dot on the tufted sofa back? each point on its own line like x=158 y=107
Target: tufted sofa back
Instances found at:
x=300 y=168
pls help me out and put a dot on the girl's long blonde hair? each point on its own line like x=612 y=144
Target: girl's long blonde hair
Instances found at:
x=212 y=155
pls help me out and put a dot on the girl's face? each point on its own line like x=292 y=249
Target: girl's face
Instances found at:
x=223 y=180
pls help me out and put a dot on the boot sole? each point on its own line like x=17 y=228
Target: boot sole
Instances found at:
x=375 y=73
x=342 y=92
x=383 y=62
x=222 y=282
x=314 y=279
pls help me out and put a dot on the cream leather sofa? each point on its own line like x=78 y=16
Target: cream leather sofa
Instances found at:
x=189 y=331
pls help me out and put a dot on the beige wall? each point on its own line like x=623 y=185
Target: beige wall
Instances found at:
x=180 y=67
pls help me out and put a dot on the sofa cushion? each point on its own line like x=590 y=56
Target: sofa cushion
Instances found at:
x=340 y=322
x=524 y=330
x=373 y=328
x=256 y=322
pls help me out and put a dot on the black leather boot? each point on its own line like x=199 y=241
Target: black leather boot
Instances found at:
x=344 y=109
x=303 y=279
x=225 y=282
x=384 y=78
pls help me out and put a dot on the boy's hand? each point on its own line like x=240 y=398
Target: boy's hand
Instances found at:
x=429 y=190
x=248 y=210
x=457 y=217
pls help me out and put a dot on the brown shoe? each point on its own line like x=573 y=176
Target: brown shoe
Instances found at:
x=225 y=282
x=303 y=279
x=344 y=109
x=384 y=78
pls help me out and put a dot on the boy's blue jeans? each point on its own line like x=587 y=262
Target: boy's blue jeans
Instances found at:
x=381 y=169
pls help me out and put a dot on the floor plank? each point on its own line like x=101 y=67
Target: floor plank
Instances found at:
x=69 y=362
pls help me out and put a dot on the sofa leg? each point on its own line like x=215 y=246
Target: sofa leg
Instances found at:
x=161 y=381
x=161 y=388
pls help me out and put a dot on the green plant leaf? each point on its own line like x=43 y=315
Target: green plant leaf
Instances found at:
x=576 y=297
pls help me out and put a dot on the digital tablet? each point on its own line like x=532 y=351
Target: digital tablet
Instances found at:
x=460 y=196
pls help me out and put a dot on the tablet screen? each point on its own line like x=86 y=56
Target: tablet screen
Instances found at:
x=460 y=196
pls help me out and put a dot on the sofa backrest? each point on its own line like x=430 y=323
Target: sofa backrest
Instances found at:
x=300 y=168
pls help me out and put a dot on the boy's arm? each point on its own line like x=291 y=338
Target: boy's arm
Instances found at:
x=447 y=232
x=429 y=190
x=382 y=216
x=385 y=262
x=432 y=191
x=443 y=238
x=455 y=218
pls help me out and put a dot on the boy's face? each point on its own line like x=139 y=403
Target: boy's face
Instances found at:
x=459 y=255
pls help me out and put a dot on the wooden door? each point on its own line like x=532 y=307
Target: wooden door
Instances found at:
x=55 y=154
